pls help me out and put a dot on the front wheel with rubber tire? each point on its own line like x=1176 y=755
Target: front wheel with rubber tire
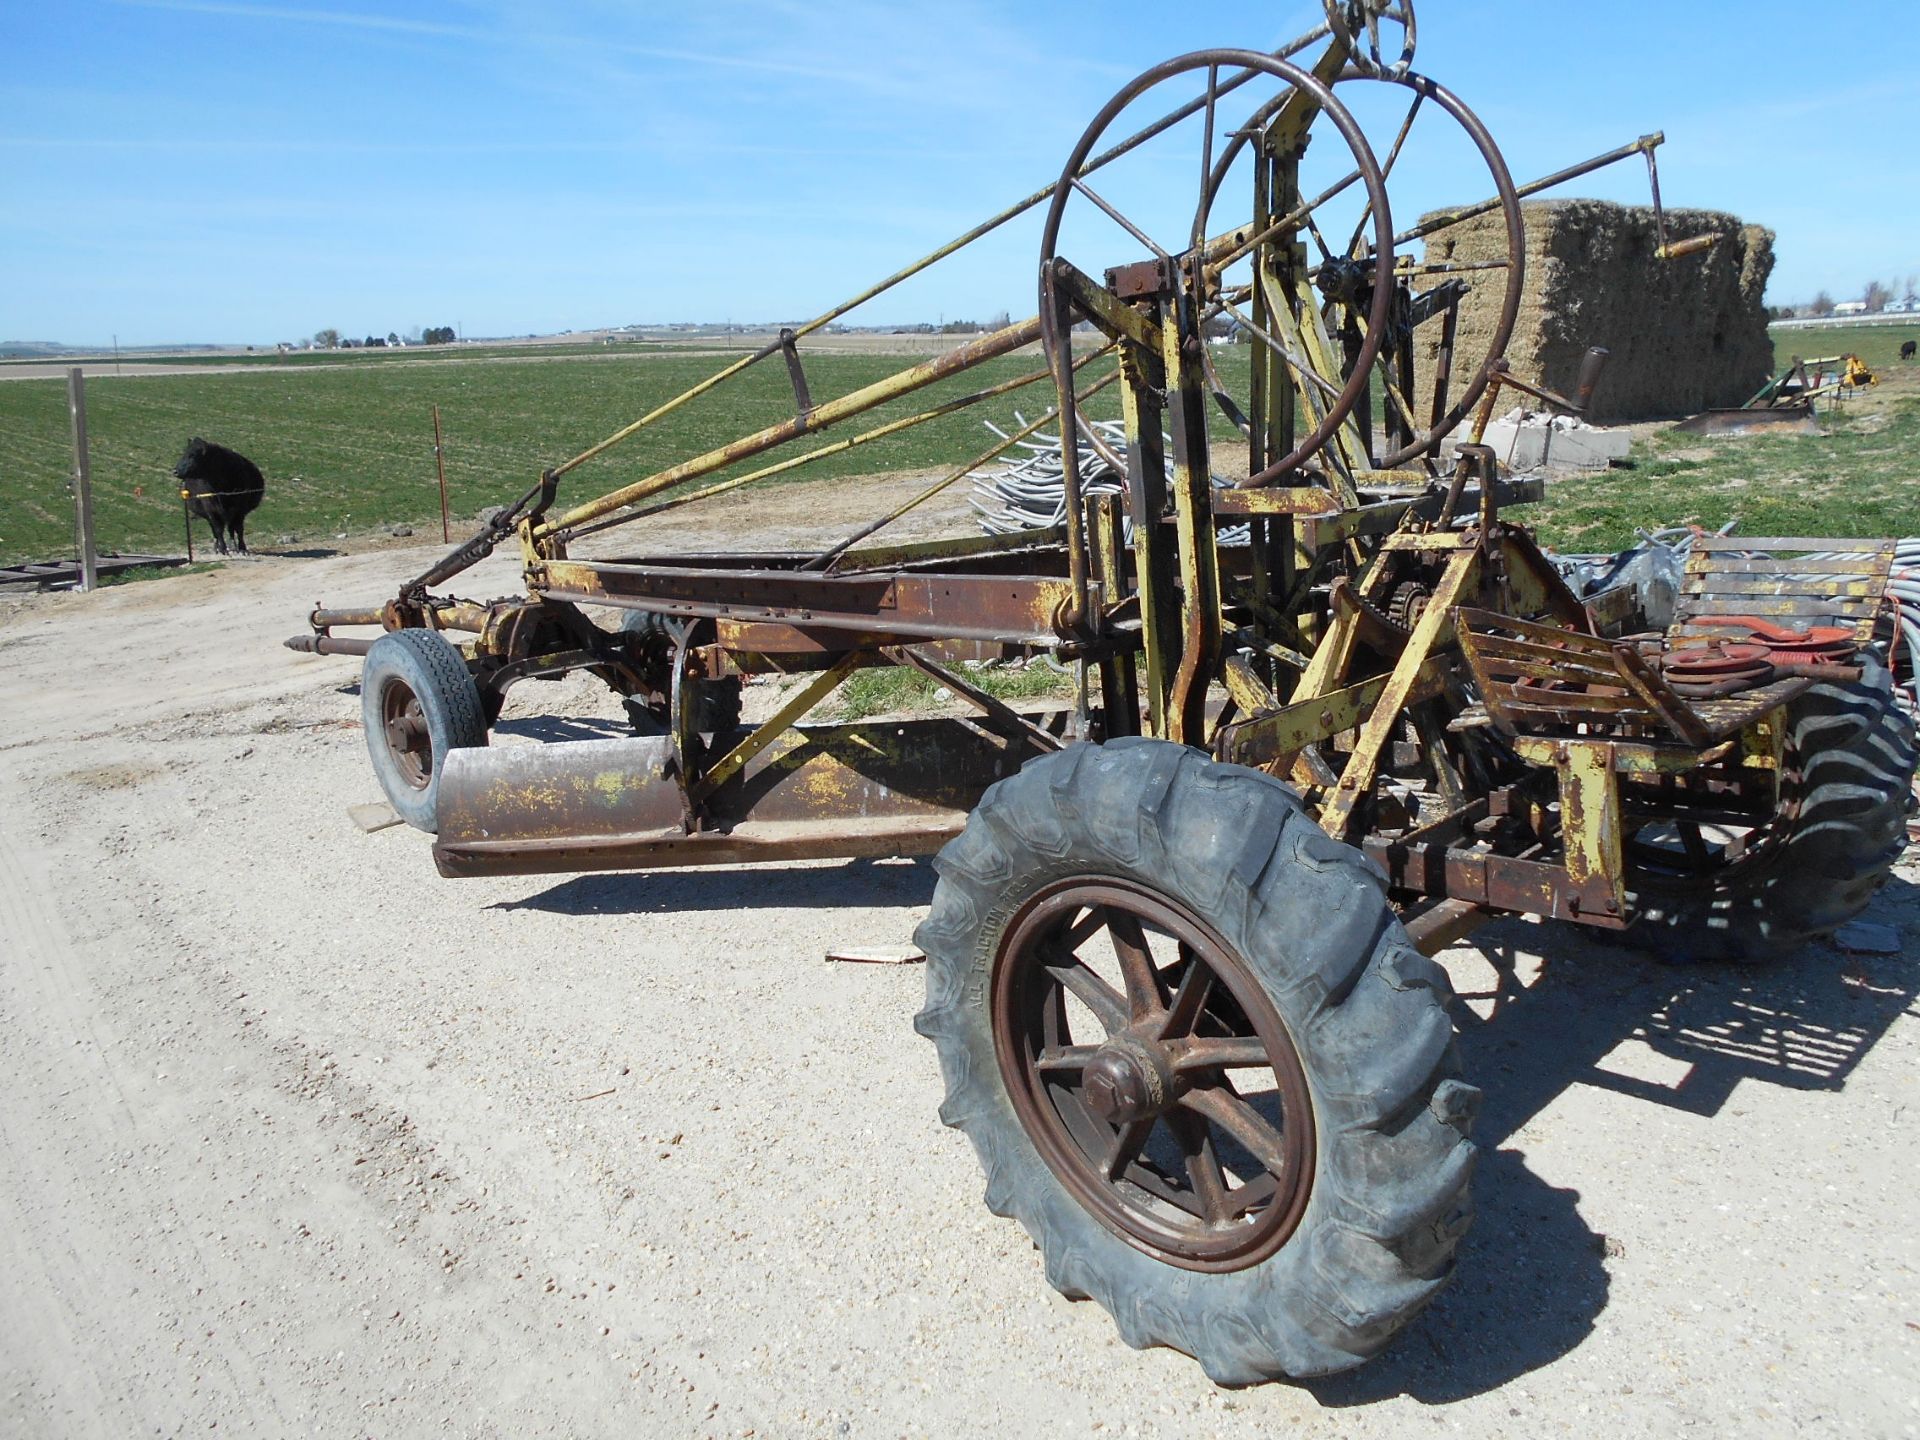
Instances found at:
x=1760 y=892
x=417 y=702
x=1198 y=1059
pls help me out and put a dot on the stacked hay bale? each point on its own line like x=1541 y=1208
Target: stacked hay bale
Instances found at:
x=1686 y=335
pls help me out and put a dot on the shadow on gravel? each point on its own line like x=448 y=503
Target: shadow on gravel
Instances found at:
x=856 y=883
x=566 y=727
x=1532 y=1277
x=316 y=553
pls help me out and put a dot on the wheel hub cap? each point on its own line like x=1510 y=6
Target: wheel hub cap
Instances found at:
x=1128 y=1081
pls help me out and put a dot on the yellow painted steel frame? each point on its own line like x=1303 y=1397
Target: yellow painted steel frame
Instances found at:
x=1589 y=773
x=1328 y=702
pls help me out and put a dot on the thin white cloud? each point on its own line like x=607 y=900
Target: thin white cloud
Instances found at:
x=384 y=24
x=349 y=19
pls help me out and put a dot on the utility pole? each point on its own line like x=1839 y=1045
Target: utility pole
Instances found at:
x=82 y=478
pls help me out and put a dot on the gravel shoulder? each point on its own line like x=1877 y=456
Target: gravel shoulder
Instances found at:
x=299 y=1138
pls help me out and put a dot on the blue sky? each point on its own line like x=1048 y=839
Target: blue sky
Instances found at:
x=220 y=170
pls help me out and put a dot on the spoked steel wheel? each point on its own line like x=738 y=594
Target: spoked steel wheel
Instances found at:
x=1258 y=85
x=1423 y=320
x=1198 y=1059
x=1368 y=27
x=1153 y=1073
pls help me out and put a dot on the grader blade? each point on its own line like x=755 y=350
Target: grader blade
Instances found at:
x=836 y=791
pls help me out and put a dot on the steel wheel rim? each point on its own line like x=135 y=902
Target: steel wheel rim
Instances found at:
x=1209 y=1178
x=1455 y=109
x=1058 y=347
x=409 y=739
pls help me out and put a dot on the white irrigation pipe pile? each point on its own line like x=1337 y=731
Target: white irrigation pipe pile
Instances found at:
x=1903 y=588
x=1028 y=492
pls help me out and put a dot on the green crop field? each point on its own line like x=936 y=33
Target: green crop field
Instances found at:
x=1878 y=345
x=347 y=447
x=1856 y=479
x=350 y=449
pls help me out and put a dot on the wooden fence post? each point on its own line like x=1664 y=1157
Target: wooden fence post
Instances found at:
x=82 y=478
x=440 y=464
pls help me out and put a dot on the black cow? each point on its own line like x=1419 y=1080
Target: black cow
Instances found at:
x=1908 y=350
x=222 y=487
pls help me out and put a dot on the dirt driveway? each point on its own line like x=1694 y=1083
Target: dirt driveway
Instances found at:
x=299 y=1138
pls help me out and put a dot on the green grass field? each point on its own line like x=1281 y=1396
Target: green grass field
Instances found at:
x=347 y=448
x=351 y=449
x=1878 y=345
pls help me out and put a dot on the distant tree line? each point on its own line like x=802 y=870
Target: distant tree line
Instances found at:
x=1877 y=298
x=331 y=339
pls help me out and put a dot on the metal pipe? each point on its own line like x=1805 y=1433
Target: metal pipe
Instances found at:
x=826 y=558
x=1434 y=929
x=1433 y=224
x=327 y=645
x=838 y=447
x=325 y=619
x=894 y=387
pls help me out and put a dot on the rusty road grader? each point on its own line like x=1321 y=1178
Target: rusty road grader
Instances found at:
x=1332 y=707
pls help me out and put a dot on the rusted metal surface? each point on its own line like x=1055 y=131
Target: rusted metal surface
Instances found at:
x=1546 y=680
x=1444 y=923
x=1174 y=1016
x=1790 y=582
x=904 y=787
x=1409 y=659
x=1590 y=821
x=908 y=604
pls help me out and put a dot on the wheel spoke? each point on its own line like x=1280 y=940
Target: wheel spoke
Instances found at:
x=1295 y=362
x=1384 y=363
x=1386 y=170
x=1190 y=999
x=1206 y=141
x=1065 y=1057
x=1450 y=267
x=1286 y=222
x=1075 y=935
x=1243 y=1123
x=1204 y=1174
x=1320 y=240
x=1109 y=1007
x=1206 y=1053
x=1127 y=1143
x=1122 y=221
x=1255 y=1192
x=1144 y=997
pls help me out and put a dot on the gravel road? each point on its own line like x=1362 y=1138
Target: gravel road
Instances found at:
x=299 y=1138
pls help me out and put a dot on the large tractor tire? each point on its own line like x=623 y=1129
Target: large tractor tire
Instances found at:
x=1198 y=1059
x=417 y=701
x=1845 y=794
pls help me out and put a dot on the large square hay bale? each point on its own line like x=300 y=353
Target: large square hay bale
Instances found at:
x=1686 y=334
